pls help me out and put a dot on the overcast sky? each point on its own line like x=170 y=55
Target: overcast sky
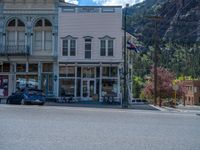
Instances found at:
x=103 y=2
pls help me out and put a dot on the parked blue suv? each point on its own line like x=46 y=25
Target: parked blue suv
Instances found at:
x=27 y=96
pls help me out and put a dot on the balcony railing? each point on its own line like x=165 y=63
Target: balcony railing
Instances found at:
x=15 y=50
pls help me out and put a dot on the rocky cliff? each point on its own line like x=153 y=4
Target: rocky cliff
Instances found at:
x=179 y=20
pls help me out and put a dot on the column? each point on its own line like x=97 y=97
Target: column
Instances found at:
x=39 y=75
x=75 y=87
x=100 y=84
x=13 y=72
x=118 y=84
x=56 y=79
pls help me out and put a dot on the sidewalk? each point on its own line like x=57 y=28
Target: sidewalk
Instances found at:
x=96 y=104
x=180 y=108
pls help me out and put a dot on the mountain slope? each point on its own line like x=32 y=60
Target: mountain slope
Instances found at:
x=180 y=17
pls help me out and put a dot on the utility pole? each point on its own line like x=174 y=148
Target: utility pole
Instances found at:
x=125 y=97
x=155 y=59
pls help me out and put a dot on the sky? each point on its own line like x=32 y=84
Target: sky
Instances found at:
x=103 y=2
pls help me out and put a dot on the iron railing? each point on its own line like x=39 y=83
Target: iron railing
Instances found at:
x=14 y=50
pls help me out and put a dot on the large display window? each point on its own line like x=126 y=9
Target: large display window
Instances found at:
x=67 y=87
x=109 y=86
x=5 y=67
x=3 y=85
x=26 y=81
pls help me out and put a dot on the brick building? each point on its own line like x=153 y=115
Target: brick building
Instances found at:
x=192 y=96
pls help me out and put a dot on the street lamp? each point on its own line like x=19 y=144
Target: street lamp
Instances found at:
x=125 y=97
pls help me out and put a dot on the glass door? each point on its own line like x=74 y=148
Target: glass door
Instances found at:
x=47 y=84
x=88 y=89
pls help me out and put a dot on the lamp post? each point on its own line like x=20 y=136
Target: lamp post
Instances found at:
x=125 y=97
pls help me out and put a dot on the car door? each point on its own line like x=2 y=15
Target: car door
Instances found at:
x=17 y=98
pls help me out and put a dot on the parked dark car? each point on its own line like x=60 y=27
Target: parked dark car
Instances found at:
x=27 y=96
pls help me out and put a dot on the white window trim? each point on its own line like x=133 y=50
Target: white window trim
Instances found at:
x=88 y=50
x=107 y=38
x=69 y=38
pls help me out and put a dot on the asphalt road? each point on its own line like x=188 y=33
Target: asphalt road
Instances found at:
x=71 y=128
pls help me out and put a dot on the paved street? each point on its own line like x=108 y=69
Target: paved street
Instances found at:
x=77 y=128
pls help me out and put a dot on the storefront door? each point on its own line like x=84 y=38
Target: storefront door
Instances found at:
x=88 y=89
x=47 y=84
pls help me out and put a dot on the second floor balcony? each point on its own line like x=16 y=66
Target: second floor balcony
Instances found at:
x=14 y=50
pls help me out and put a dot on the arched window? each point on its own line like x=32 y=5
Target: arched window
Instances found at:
x=15 y=33
x=43 y=35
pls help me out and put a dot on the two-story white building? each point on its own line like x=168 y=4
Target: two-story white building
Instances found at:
x=90 y=51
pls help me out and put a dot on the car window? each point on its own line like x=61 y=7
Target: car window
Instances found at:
x=138 y=100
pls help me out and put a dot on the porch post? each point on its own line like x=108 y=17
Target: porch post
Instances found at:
x=75 y=87
x=100 y=84
x=39 y=75
x=118 y=83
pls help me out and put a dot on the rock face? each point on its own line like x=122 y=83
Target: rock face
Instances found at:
x=184 y=25
x=181 y=19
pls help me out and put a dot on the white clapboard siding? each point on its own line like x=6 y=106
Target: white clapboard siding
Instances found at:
x=96 y=25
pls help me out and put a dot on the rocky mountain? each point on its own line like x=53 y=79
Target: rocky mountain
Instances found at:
x=179 y=20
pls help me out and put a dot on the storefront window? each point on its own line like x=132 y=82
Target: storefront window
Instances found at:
x=26 y=81
x=78 y=92
x=67 y=71
x=67 y=87
x=113 y=71
x=3 y=85
x=20 y=67
x=6 y=67
x=88 y=72
x=98 y=72
x=62 y=71
x=79 y=72
x=47 y=67
x=109 y=86
x=70 y=71
x=33 y=68
x=109 y=71
x=105 y=71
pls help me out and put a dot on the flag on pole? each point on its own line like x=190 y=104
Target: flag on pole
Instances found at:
x=131 y=46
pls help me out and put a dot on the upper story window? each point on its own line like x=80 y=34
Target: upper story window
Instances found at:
x=88 y=47
x=69 y=46
x=15 y=33
x=106 y=46
x=43 y=35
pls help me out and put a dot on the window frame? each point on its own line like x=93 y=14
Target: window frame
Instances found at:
x=17 y=27
x=71 y=51
x=105 y=51
x=43 y=29
x=85 y=47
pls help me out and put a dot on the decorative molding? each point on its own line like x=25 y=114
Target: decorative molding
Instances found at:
x=106 y=37
x=69 y=37
x=88 y=37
